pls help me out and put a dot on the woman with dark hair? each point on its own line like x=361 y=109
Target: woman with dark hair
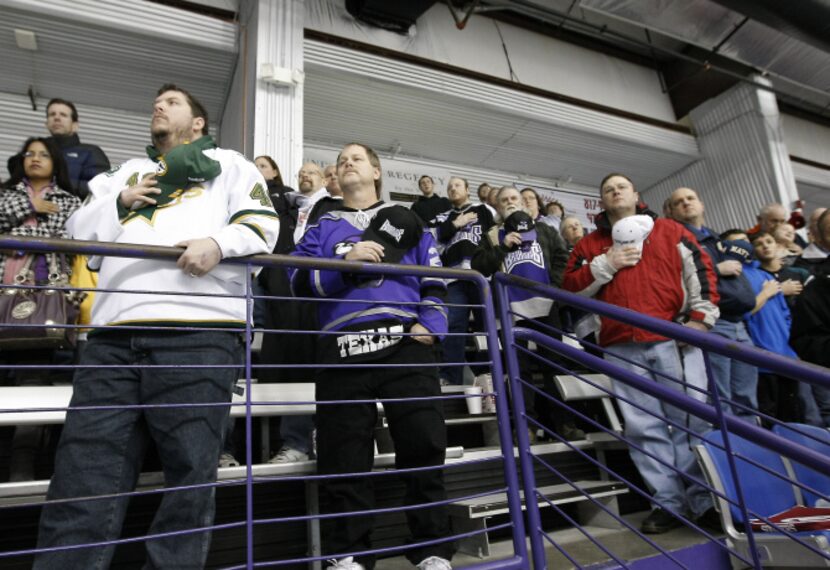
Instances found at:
x=272 y=281
x=277 y=189
x=35 y=202
x=269 y=169
x=532 y=202
x=33 y=157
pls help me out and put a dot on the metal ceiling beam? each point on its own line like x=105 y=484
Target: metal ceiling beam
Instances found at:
x=531 y=9
x=806 y=20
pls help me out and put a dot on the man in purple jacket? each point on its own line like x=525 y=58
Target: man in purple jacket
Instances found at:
x=370 y=329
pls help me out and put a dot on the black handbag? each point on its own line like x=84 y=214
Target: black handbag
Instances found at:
x=34 y=312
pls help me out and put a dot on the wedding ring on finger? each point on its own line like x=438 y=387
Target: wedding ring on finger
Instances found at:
x=193 y=274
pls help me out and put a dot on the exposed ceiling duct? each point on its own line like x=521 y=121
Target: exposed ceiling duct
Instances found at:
x=396 y=16
x=716 y=42
x=806 y=20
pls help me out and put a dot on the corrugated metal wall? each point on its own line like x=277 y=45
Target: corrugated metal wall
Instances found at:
x=535 y=59
x=438 y=115
x=378 y=69
x=745 y=163
x=813 y=186
x=236 y=123
x=121 y=134
x=115 y=53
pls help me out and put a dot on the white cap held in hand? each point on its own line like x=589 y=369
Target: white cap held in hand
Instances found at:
x=632 y=231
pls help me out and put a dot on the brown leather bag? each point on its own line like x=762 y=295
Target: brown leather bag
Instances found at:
x=28 y=316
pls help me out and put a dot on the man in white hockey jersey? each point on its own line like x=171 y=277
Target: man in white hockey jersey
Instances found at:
x=213 y=203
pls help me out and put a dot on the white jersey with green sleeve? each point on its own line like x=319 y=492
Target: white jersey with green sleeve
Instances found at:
x=234 y=209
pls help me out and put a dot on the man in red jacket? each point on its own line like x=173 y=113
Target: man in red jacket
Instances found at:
x=655 y=268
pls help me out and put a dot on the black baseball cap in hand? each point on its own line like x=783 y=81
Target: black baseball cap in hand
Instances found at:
x=397 y=229
x=521 y=223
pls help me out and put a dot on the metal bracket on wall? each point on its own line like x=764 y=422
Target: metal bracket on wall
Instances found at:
x=463 y=12
x=32 y=97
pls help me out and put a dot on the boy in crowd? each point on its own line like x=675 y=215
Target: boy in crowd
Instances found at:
x=778 y=396
x=430 y=204
x=769 y=326
x=792 y=279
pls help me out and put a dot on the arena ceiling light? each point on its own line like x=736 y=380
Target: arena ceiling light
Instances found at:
x=25 y=39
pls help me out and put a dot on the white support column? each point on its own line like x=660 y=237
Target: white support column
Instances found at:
x=739 y=133
x=745 y=162
x=278 y=114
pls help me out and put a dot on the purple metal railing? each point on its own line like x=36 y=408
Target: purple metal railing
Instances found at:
x=511 y=487
x=712 y=413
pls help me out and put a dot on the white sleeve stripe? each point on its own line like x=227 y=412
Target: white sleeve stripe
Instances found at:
x=318 y=285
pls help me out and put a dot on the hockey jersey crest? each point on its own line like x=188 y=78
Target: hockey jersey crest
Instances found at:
x=377 y=309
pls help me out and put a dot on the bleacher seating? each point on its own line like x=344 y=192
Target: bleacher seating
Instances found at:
x=817 y=439
x=472 y=514
x=48 y=400
x=767 y=492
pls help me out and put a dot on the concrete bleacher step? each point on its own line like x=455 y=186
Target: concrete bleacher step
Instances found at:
x=691 y=548
x=34 y=491
x=496 y=504
x=471 y=514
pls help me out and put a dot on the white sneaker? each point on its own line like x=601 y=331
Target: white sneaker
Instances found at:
x=288 y=455
x=488 y=403
x=228 y=460
x=347 y=563
x=434 y=563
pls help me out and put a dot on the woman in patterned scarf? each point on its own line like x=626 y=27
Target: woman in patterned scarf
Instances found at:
x=35 y=202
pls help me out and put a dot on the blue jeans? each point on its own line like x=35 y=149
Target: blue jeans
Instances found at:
x=649 y=430
x=736 y=380
x=260 y=305
x=295 y=432
x=458 y=321
x=815 y=403
x=101 y=451
x=694 y=374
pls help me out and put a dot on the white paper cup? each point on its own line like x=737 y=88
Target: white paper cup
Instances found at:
x=473 y=394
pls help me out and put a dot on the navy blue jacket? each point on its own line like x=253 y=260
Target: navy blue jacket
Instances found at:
x=85 y=162
x=736 y=294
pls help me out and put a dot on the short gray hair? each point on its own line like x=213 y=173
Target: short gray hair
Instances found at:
x=565 y=219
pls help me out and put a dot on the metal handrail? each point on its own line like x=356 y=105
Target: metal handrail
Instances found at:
x=95 y=248
x=711 y=413
x=776 y=363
